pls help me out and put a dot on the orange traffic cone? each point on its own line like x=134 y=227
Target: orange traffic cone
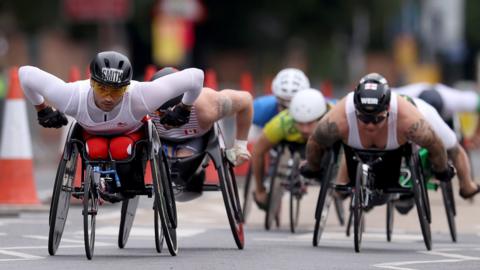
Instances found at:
x=17 y=185
x=211 y=79
x=149 y=72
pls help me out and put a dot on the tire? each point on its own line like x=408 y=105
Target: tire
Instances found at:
x=162 y=190
x=448 y=202
x=339 y=210
x=129 y=208
x=389 y=220
x=159 y=237
x=358 y=208
x=231 y=199
x=247 y=192
x=60 y=204
x=274 y=195
x=90 y=208
x=295 y=192
x=420 y=201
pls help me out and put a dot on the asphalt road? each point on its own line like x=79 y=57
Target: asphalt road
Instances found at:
x=205 y=241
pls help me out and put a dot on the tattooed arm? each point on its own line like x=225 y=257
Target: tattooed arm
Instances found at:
x=325 y=135
x=421 y=133
x=214 y=105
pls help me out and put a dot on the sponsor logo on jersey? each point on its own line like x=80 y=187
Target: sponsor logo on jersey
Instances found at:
x=373 y=101
x=112 y=74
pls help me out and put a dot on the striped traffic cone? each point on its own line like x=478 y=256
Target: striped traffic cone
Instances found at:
x=17 y=185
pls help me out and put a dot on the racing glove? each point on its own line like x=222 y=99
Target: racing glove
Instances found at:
x=446 y=175
x=176 y=117
x=239 y=153
x=51 y=118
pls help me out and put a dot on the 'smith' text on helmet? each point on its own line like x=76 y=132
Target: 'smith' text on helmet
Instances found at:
x=112 y=75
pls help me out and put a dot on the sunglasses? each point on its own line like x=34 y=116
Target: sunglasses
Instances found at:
x=371 y=118
x=105 y=90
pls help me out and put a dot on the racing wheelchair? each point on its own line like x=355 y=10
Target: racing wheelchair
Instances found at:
x=376 y=182
x=285 y=177
x=424 y=172
x=100 y=181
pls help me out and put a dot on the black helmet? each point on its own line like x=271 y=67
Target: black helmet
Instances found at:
x=164 y=72
x=111 y=68
x=372 y=94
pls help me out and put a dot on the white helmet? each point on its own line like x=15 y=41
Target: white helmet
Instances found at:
x=288 y=82
x=307 y=105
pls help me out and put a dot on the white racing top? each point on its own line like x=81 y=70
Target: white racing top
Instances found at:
x=141 y=98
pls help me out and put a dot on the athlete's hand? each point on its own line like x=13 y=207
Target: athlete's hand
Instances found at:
x=445 y=175
x=239 y=153
x=51 y=118
x=176 y=117
x=308 y=172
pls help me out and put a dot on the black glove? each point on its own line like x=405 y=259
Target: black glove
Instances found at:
x=176 y=117
x=445 y=175
x=307 y=172
x=51 y=119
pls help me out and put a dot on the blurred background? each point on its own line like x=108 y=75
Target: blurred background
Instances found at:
x=334 y=41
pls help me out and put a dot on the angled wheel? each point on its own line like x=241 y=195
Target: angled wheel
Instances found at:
x=60 y=204
x=247 y=192
x=129 y=208
x=389 y=220
x=162 y=189
x=324 y=198
x=421 y=202
x=159 y=238
x=231 y=199
x=339 y=210
x=296 y=192
x=90 y=209
x=448 y=202
x=358 y=208
x=274 y=194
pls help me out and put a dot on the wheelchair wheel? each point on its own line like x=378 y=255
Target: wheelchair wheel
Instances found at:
x=339 y=210
x=295 y=182
x=61 y=199
x=324 y=199
x=129 y=208
x=358 y=208
x=247 y=192
x=420 y=201
x=274 y=195
x=158 y=231
x=231 y=199
x=448 y=202
x=162 y=190
x=90 y=208
x=350 y=218
x=389 y=220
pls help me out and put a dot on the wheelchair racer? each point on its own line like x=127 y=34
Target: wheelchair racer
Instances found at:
x=294 y=125
x=110 y=106
x=209 y=107
x=373 y=118
x=285 y=85
x=447 y=101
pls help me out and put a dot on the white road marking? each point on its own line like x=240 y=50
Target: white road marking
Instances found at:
x=3 y=234
x=341 y=236
x=22 y=256
x=452 y=259
x=65 y=240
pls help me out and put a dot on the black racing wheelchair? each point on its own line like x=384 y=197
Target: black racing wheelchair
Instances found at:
x=376 y=182
x=100 y=181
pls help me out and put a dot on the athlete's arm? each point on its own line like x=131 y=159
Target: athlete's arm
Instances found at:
x=39 y=86
x=416 y=129
x=262 y=146
x=327 y=132
x=214 y=105
x=148 y=96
